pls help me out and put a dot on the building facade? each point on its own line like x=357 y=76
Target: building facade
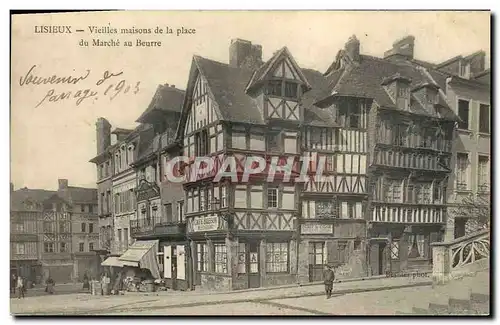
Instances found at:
x=468 y=89
x=352 y=167
x=54 y=219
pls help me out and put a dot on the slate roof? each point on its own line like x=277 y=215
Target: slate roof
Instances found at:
x=228 y=87
x=18 y=197
x=76 y=194
x=166 y=98
x=365 y=80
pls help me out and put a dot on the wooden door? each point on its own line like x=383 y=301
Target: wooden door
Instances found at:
x=253 y=265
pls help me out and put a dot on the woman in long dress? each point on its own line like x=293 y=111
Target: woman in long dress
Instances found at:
x=50 y=286
x=86 y=282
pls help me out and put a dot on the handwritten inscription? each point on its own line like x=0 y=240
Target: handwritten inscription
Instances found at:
x=104 y=82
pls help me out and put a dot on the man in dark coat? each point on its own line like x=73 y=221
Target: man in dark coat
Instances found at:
x=329 y=277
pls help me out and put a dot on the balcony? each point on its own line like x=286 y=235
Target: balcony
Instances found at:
x=150 y=227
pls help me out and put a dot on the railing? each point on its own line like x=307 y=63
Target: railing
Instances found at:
x=143 y=225
x=461 y=256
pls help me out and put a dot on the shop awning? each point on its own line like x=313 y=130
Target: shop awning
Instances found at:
x=112 y=261
x=143 y=254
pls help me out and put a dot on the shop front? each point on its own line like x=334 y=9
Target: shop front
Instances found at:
x=398 y=248
x=336 y=242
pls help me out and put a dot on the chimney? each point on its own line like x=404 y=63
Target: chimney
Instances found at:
x=477 y=62
x=352 y=48
x=402 y=48
x=166 y=85
x=63 y=184
x=172 y=86
x=103 y=128
x=243 y=53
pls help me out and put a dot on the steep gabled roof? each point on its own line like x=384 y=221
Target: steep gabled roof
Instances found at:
x=364 y=79
x=19 y=197
x=76 y=194
x=166 y=99
x=264 y=70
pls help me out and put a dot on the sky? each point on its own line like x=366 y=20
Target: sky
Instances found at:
x=52 y=139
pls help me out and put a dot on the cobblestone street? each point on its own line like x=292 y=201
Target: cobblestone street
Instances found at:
x=378 y=297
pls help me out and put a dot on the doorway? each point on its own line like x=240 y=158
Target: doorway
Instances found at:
x=378 y=258
x=460 y=227
x=381 y=259
x=253 y=265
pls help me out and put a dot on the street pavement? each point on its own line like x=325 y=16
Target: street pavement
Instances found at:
x=294 y=300
x=61 y=289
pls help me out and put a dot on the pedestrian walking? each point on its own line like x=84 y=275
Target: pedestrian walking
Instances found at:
x=50 y=286
x=329 y=277
x=20 y=287
x=13 y=284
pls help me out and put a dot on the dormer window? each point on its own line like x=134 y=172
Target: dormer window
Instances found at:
x=398 y=88
x=290 y=90
x=274 y=88
x=431 y=96
x=280 y=88
x=464 y=69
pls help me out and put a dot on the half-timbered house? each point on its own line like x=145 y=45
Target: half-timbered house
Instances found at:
x=409 y=127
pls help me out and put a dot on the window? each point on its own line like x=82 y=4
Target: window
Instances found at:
x=291 y=89
x=125 y=237
x=462 y=169
x=49 y=226
x=91 y=247
x=276 y=257
x=18 y=227
x=426 y=193
x=242 y=265
x=20 y=248
x=326 y=209
x=330 y=163
x=403 y=90
x=119 y=236
x=483 y=171
x=203 y=199
x=180 y=211
x=83 y=227
x=317 y=253
x=272 y=197
x=274 y=141
x=416 y=246
x=117 y=203
x=63 y=227
x=223 y=197
x=484 y=118
x=436 y=194
x=395 y=250
x=220 y=258
x=169 y=213
x=354 y=116
x=357 y=245
x=91 y=208
x=63 y=248
x=202 y=257
x=201 y=143
x=274 y=88
x=91 y=227
x=399 y=135
x=463 y=113
x=48 y=247
x=81 y=247
x=393 y=191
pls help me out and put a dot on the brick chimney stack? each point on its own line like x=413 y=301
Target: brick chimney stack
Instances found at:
x=402 y=49
x=63 y=184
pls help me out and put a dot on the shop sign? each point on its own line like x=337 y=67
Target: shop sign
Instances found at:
x=316 y=228
x=206 y=223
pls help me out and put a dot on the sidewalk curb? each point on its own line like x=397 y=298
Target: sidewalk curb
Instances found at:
x=277 y=297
